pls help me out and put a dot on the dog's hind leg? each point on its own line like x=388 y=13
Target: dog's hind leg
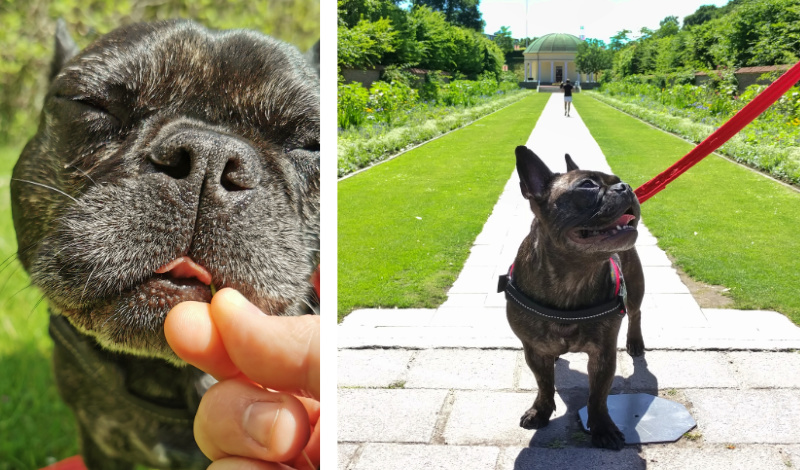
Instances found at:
x=543 y=368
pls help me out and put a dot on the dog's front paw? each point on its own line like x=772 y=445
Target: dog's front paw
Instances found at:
x=533 y=419
x=607 y=436
x=635 y=346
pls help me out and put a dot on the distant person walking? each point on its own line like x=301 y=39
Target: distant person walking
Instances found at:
x=567 y=96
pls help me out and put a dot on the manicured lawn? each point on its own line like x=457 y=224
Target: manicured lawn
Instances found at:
x=722 y=223
x=406 y=226
x=34 y=424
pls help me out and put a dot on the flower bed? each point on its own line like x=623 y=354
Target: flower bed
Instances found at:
x=391 y=117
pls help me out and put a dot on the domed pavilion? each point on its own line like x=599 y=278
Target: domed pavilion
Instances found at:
x=551 y=59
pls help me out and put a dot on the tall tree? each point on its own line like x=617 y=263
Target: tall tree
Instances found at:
x=503 y=39
x=619 y=40
x=669 y=26
x=703 y=14
x=593 y=56
x=459 y=12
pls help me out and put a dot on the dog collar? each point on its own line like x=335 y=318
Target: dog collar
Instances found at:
x=616 y=306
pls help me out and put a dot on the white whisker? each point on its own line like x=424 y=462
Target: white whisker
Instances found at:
x=45 y=186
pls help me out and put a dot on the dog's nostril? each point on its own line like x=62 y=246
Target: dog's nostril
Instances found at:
x=177 y=164
x=234 y=179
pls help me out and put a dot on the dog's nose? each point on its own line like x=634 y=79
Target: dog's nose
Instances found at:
x=226 y=162
x=620 y=188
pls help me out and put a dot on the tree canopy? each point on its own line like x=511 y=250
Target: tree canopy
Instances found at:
x=458 y=12
x=378 y=32
x=593 y=56
x=742 y=33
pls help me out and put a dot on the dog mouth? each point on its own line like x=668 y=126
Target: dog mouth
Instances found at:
x=185 y=270
x=624 y=224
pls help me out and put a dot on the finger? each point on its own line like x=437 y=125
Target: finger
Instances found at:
x=312 y=450
x=239 y=418
x=281 y=353
x=193 y=336
x=240 y=463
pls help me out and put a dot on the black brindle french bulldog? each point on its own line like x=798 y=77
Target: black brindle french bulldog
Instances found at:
x=169 y=158
x=565 y=290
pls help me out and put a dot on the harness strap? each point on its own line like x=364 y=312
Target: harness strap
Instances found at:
x=615 y=306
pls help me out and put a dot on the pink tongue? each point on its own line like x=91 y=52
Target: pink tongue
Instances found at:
x=185 y=268
x=623 y=221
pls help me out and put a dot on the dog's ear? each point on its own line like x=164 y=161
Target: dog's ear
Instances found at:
x=312 y=57
x=534 y=176
x=65 y=48
x=570 y=164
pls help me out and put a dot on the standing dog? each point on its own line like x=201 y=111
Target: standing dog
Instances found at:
x=169 y=158
x=565 y=290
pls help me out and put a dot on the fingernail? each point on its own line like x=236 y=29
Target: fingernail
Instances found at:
x=261 y=420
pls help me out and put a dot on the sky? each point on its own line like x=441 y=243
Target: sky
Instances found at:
x=600 y=19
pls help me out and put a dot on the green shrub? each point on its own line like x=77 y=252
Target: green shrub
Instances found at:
x=430 y=86
x=353 y=100
x=386 y=99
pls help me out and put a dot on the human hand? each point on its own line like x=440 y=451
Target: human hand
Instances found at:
x=240 y=424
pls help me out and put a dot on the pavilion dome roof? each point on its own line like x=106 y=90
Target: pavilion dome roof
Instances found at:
x=555 y=42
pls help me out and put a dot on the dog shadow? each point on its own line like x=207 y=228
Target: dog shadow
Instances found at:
x=563 y=444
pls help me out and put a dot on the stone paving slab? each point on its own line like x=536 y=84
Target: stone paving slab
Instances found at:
x=473 y=280
x=652 y=255
x=537 y=458
x=483 y=318
x=464 y=300
x=747 y=416
x=373 y=367
x=663 y=280
x=380 y=415
x=425 y=337
x=465 y=369
x=571 y=372
x=659 y=370
x=719 y=457
x=767 y=370
x=413 y=457
x=385 y=317
x=345 y=454
x=791 y=454
x=492 y=418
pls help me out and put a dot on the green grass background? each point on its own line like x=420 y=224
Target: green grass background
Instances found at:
x=724 y=224
x=35 y=426
x=406 y=226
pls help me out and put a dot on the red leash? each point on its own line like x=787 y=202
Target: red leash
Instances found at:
x=745 y=116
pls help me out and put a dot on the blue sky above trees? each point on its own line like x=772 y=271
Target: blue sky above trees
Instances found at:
x=601 y=19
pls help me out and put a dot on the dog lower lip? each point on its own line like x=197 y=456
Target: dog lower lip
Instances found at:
x=172 y=291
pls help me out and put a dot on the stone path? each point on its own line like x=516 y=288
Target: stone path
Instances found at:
x=444 y=388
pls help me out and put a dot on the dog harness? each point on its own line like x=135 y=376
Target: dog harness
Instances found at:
x=616 y=306
x=105 y=373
